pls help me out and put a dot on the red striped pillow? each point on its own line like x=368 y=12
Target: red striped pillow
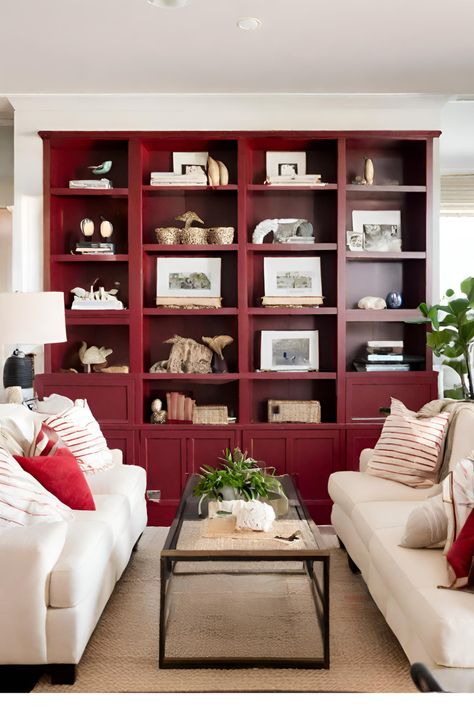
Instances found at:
x=80 y=432
x=410 y=449
x=23 y=501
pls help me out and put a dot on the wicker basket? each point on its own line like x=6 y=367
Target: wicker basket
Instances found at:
x=210 y=415
x=167 y=235
x=294 y=411
x=193 y=235
x=221 y=235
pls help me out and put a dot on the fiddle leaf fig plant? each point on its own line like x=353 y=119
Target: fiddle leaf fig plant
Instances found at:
x=452 y=335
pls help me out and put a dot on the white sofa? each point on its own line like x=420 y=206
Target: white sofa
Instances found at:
x=56 y=578
x=433 y=626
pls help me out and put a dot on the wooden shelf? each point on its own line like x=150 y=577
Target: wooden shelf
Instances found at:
x=86 y=192
x=383 y=256
x=288 y=311
x=216 y=378
x=386 y=189
x=160 y=311
x=291 y=188
x=290 y=375
x=154 y=189
x=317 y=246
x=151 y=248
x=77 y=258
x=114 y=316
x=383 y=315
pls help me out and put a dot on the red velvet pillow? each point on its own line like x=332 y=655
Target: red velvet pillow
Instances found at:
x=461 y=556
x=61 y=475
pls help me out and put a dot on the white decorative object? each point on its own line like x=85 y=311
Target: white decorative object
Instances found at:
x=287 y=163
x=223 y=173
x=374 y=217
x=372 y=302
x=14 y=395
x=292 y=276
x=255 y=515
x=87 y=227
x=368 y=171
x=289 y=350
x=93 y=355
x=190 y=163
x=95 y=300
x=213 y=172
x=106 y=229
x=188 y=277
x=287 y=229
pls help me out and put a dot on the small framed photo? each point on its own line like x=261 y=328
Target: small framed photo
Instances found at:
x=355 y=241
x=292 y=276
x=188 y=276
x=286 y=163
x=382 y=238
x=289 y=350
x=190 y=163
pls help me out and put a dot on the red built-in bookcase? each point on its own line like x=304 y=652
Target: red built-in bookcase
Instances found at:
x=350 y=401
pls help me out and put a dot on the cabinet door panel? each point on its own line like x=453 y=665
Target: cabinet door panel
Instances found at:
x=268 y=447
x=206 y=448
x=164 y=459
x=366 y=395
x=124 y=440
x=357 y=440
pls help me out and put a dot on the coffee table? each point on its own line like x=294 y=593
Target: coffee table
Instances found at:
x=190 y=553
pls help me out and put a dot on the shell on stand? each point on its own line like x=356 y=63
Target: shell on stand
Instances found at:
x=368 y=171
x=213 y=171
x=223 y=173
x=106 y=229
x=87 y=227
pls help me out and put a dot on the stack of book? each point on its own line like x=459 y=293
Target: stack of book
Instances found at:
x=292 y=301
x=95 y=248
x=294 y=180
x=194 y=178
x=102 y=184
x=386 y=356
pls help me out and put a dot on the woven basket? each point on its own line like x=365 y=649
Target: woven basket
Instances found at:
x=167 y=235
x=193 y=235
x=210 y=415
x=221 y=235
x=294 y=411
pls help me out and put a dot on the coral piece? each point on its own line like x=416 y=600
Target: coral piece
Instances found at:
x=284 y=229
x=96 y=299
x=372 y=302
x=188 y=356
x=158 y=416
x=256 y=515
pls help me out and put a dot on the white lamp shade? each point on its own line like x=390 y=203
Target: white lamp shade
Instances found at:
x=32 y=317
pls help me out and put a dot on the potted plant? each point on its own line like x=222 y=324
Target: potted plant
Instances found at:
x=239 y=477
x=452 y=334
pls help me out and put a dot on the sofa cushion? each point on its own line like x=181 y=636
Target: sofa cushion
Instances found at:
x=18 y=426
x=351 y=488
x=458 y=498
x=460 y=556
x=371 y=516
x=61 y=475
x=125 y=479
x=111 y=509
x=442 y=619
x=410 y=449
x=86 y=552
x=427 y=525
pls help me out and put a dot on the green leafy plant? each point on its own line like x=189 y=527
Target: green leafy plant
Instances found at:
x=452 y=334
x=248 y=479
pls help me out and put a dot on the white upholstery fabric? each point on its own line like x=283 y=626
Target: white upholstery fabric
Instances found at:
x=27 y=555
x=128 y=480
x=374 y=515
x=111 y=509
x=463 y=440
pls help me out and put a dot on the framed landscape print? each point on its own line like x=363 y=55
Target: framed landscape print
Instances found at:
x=289 y=350
x=381 y=229
x=188 y=276
x=292 y=276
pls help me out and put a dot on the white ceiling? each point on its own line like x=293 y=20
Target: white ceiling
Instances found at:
x=116 y=46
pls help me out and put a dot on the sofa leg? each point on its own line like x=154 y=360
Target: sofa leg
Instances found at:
x=341 y=544
x=135 y=547
x=62 y=673
x=352 y=566
x=18 y=678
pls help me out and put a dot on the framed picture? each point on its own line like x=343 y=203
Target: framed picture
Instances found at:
x=292 y=276
x=355 y=241
x=382 y=238
x=190 y=163
x=188 y=276
x=289 y=350
x=287 y=163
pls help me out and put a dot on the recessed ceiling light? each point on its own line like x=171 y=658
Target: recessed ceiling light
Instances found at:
x=169 y=3
x=249 y=23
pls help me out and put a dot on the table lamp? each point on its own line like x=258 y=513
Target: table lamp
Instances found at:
x=29 y=317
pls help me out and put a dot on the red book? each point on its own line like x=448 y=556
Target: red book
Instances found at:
x=180 y=412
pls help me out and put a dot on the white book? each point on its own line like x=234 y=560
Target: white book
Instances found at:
x=385 y=344
x=384 y=357
x=103 y=184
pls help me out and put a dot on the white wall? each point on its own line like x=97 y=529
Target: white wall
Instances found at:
x=457 y=138
x=6 y=164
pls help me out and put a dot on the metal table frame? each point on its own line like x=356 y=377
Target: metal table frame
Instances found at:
x=170 y=556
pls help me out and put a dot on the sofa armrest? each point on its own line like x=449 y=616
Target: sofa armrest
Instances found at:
x=117 y=456
x=364 y=459
x=27 y=557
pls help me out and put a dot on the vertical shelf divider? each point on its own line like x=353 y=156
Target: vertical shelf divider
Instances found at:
x=341 y=280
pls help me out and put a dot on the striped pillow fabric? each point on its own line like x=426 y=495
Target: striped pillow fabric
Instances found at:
x=23 y=501
x=80 y=432
x=410 y=449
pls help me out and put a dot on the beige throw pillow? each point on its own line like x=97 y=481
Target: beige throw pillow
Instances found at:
x=427 y=525
x=410 y=449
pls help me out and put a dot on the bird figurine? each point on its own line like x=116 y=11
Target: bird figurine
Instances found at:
x=102 y=168
x=93 y=355
x=217 y=345
x=188 y=218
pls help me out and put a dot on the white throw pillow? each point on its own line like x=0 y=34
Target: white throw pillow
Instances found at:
x=23 y=500
x=81 y=433
x=54 y=404
x=18 y=426
x=427 y=525
x=458 y=498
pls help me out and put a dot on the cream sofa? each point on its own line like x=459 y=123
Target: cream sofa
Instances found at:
x=433 y=626
x=56 y=578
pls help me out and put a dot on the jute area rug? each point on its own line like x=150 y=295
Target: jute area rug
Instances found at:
x=207 y=617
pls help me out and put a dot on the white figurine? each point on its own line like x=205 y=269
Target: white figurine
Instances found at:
x=372 y=302
x=256 y=515
x=96 y=300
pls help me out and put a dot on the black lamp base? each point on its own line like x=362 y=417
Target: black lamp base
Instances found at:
x=18 y=370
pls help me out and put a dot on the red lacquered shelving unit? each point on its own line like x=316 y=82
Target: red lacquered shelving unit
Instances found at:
x=350 y=401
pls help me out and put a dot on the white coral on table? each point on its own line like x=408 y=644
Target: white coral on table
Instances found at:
x=256 y=515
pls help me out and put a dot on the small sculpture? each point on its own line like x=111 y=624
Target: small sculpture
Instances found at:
x=186 y=356
x=87 y=227
x=14 y=395
x=158 y=416
x=223 y=173
x=106 y=228
x=284 y=230
x=111 y=369
x=102 y=168
x=394 y=300
x=255 y=515
x=96 y=300
x=368 y=171
x=372 y=302
x=213 y=171
x=93 y=356
x=217 y=345
x=188 y=218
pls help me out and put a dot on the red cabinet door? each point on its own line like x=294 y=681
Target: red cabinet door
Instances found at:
x=163 y=456
x=124 y=440
x=367 y=393
x=206 y=447
x=356 y=441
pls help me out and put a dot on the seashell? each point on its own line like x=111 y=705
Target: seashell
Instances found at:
x=213 y=172
x=106 y=229
x=368 y=171
x=217 y=343
x=372 y=302
x=223 y=173
x=87 y=227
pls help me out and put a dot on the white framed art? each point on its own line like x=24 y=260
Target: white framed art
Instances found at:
x=289 y=350
x=292 y=276
x=287 y=163
x=188 y=276
x=190 y=163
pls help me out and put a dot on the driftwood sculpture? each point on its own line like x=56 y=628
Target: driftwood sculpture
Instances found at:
x=186 y=356
x=217 y=345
